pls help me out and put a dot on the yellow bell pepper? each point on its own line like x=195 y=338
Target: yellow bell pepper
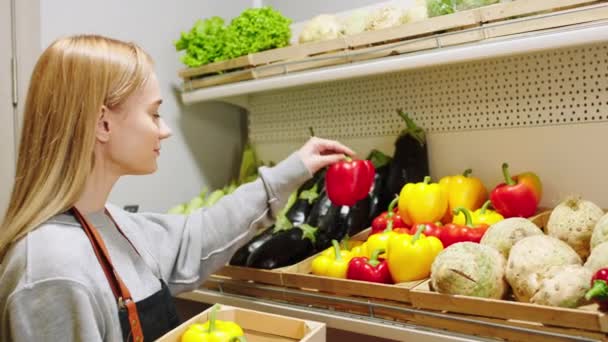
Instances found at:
x=346 y=245
x=480 y=216
x=380 y=241
x=422 y=202
x=410 y=257
x=213 y=330
x=360 y=251
x=463 y=191
x=332 y=266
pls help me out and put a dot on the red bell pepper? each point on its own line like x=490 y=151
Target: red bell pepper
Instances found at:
x=374 y=270
x=518 y=196
x=453 y=233
x=349 y=181
x=431 y=229
x=599 y=289
x=380 y=223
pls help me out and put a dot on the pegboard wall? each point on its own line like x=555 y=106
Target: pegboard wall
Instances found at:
x=547 y=88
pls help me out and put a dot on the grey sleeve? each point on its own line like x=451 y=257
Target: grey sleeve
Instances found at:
x=53 y=310
x=188 y=248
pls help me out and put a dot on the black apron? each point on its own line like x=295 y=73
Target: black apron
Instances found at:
x=148 y=319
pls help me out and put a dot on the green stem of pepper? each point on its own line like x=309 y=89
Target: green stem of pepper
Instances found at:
x=468 y=220
x=467 y=172
x=484 y=207
x=374 y=259
x=427 y=179
x=389 y=215
x=419 y=230
x=505 y=172
x=212 y=318
x=598 y=290
x=337 y=250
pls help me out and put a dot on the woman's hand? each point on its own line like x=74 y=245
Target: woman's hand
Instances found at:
x=318 y=153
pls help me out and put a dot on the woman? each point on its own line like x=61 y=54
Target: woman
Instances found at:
x=76 y=269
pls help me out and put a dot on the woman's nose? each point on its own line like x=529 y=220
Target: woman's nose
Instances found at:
x=165 y=131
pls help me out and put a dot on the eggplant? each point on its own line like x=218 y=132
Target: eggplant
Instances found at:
x=284 y=248
x=240 y=256
x=359 y=216
x=324 y=215
x=378 y=202
x=295 y=213
x=410 y=162
x=307 y=195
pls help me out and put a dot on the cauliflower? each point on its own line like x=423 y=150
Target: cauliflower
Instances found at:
x=355 y=22
x=384 y=18
x=531 y=258
x=504 y=234
x=563 y=286
x=469 y=269
x=598 y=257
x=600 y=232
x=573 y=222
x=321 y=27
x=414 y=14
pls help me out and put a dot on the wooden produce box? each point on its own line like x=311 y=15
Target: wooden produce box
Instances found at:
x=258 y=326
x=299 y=276
x=499 y=20
x=586 y=321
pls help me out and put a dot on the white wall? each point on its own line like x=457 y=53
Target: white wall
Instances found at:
x=207 y=140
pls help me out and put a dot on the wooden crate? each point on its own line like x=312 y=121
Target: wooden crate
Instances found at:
x=299 y=276
x=583 y=321
x=453 y=29
x=258 y=326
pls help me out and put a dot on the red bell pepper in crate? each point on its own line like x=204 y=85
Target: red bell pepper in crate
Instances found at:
x=372 y=270
x=518 y=196
x=599 y=289
x=380 y=223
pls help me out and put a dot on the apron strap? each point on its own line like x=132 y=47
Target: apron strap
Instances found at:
x=120 y=290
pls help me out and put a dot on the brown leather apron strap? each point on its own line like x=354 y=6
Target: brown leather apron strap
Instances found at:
x=120 y=290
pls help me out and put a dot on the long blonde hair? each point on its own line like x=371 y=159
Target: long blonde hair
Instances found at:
x=73 y=78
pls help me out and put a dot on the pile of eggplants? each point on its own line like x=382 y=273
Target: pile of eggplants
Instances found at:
x=310 y=221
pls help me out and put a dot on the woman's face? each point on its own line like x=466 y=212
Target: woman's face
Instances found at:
x=136 y=130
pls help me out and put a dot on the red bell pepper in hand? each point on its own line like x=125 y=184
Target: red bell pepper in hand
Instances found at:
x=453 y=233
x=374 y=270
x=599 y=289
x=380 y=223
x=349 y=181
x=518 y=196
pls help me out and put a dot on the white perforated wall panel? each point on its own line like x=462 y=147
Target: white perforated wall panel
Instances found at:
x=546 y=112
x=547 y=88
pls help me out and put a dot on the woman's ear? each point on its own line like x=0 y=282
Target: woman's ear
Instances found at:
x=102 y=129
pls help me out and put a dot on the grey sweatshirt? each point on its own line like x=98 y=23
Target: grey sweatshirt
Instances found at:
x=52 y=287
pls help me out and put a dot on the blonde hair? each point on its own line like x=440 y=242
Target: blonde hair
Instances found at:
x=73 y=78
